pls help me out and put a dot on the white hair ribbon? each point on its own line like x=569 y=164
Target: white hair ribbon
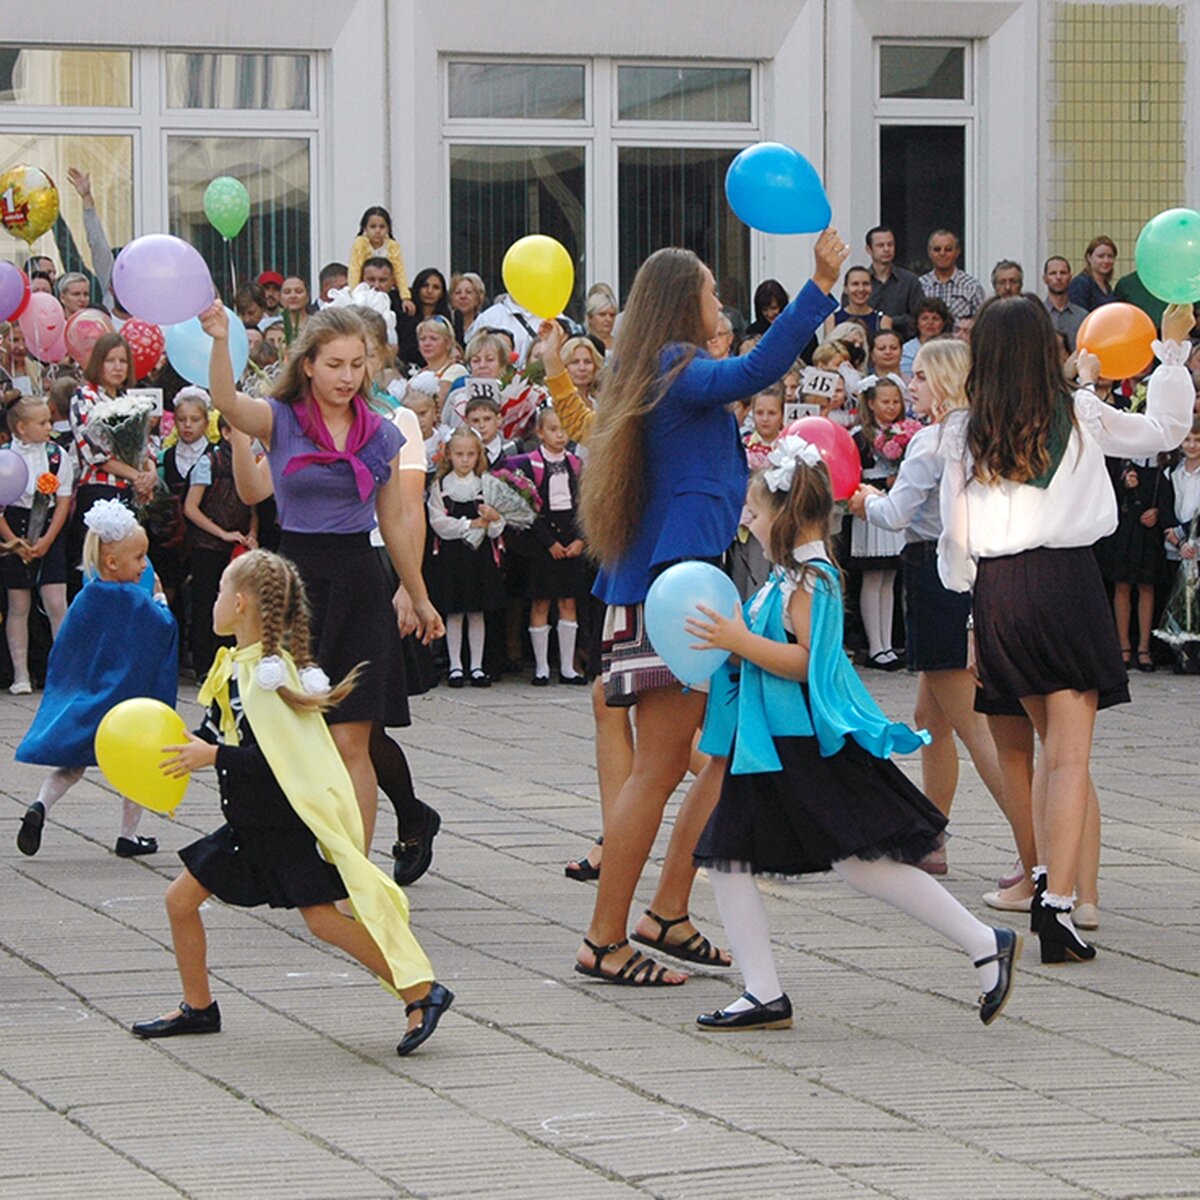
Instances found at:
x=783 y=459
x=365 y=296
x=110 y=520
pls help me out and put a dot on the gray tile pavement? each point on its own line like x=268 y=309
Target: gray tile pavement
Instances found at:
x=540 y=1084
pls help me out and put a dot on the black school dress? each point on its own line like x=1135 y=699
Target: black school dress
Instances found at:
x=461 y=578
x=264 y=853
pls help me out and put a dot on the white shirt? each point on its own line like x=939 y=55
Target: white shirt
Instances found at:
x=912 y=504
x=412 y=453
x=1187 y=493
x=560 y=483
x=36 y=456
x=803 y=553
x=989 y=520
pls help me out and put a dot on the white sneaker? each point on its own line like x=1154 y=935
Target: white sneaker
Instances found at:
x=21 y=688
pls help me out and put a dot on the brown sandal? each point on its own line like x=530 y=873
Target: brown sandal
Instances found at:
x=697 y=948
x=636 y=971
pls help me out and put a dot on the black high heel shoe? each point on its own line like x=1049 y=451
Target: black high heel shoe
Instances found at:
x=1008 y=950
x=432 y=1007
x=1061 y=943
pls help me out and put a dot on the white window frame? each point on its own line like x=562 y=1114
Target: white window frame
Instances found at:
x=601 y=135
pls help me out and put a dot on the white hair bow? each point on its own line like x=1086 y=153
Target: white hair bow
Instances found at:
x=110 y=520
x=365 y=296
x=783 y=459
x=869 y=381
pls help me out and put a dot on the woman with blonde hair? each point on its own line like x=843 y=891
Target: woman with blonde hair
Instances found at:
x=936 y=619
x=584 y=364
x=468 y=298
x=600 y=311
x=642 y=512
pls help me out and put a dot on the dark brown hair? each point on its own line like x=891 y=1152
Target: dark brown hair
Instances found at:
x=663 y=310
x=1014 y=389
x=105 y=344
x=807 y=503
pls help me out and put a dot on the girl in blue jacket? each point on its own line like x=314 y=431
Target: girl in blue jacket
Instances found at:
x=810 y=784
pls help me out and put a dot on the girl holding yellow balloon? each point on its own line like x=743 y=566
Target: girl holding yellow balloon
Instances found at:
x=115 y=644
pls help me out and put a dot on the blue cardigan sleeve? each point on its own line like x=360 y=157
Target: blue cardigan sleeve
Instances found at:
x=706 y=381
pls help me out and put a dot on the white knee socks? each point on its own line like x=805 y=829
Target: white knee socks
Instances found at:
x=17 y=631
x=539 y=636
x=567 y=631
x=454 y=632
x=912 y=891
x=475 y=631
x=745 y=919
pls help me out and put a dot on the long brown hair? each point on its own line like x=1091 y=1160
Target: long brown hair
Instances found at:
x=1015 y=390
x=104 y=345
x=276 y=586
x=807 y=503
x=663 y=310
x=293 y=386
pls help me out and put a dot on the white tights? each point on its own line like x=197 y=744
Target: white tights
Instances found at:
x=907 y=888
x=475 y=632
x=62 y=779
x=877 y=603
x=20 y=602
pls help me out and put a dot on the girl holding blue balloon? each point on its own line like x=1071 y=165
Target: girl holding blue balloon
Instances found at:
x=665 y=484
x=810 y=784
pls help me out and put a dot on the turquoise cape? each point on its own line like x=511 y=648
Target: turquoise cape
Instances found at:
x=116 y=643
x=748 y=707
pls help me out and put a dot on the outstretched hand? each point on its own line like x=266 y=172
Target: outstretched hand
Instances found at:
x=1178 y=321
x=215 y=322
x=830 y=253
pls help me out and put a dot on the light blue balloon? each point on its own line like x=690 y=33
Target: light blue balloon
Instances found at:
x=189 y=347
x=672 y=599
x=775 y=189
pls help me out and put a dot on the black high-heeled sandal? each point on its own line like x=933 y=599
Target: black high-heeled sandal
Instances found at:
x=583 y=870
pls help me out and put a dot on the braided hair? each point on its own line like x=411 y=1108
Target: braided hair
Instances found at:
x=275 y=584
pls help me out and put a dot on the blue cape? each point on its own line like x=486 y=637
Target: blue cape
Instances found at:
x=116 y=643
x=757 y=706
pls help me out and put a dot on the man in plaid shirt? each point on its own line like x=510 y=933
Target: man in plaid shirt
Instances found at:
x=961 y=293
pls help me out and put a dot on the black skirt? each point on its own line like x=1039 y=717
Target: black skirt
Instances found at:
x=352 y=622
x=281 y=868
x=817 y=811
x=461 y=579
x=49 y=569
x=935 y=618
x=550 y=578
x=1042 y=625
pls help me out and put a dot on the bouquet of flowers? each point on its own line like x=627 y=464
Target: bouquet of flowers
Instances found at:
x=123 y=427
x=892 y=440
x=1180 y=624
x=513 y=496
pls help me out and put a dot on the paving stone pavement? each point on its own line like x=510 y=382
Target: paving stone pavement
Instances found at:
x=542 y=1084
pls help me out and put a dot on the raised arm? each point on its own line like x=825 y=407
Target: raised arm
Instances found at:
x=577 y=418
x=247 y=413
x=708 y=382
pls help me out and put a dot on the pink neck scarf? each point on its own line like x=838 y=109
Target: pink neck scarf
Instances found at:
x=362 y=429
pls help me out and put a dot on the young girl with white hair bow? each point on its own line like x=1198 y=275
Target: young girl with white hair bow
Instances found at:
x=809 y=785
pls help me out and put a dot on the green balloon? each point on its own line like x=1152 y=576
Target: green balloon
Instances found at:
x=226 y=205
x=1167 y=256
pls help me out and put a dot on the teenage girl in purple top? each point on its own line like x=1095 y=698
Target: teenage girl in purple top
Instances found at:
x=334 y=465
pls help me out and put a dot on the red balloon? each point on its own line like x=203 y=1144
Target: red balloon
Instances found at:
x=837 y=449
x=146 y=343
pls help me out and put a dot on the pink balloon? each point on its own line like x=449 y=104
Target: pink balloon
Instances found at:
x=43 y=323
x=837 y=449
x=84 y=329
x=162 y=279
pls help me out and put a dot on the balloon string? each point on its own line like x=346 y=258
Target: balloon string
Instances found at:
x=232 y=264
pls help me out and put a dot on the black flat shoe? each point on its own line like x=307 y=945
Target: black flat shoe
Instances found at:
x=189 y=1020
x=1008 y=950
x=29 y=836
x=777 y=1014
x=572 y=680
x=134 y=847
x=1145 y=662
x=414 y=856
x=540 y=681
x=480 y=679
x=432 y=1007
x=456 y=679
x=881 y=662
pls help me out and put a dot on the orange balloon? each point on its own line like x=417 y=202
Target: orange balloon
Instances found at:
x=1120 y=336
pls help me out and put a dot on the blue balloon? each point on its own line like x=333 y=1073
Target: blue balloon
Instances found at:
x=188 y=349
x=775 y=189
x=671 y=601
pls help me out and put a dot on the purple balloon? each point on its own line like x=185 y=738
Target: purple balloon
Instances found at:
x=12 y=290
x=162 y=279
x=14 y=477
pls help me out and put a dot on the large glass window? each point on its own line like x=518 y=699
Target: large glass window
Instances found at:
x=501 y=193
x=922 y=185
x=276 y=172
x=516 y=91
x=255 y=82
x=676 y=197
x=56 y=78
x=922 y=72
x=679 y=93
x=107 y=160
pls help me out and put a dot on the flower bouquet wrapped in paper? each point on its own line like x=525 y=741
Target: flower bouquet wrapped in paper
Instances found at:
x=892 y=440
x=513 y=496
x=123 y=425
x=1180 y=627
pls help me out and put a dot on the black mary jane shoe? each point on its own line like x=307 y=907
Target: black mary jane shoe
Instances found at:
x=432 y=1007
x=480 y=679
x=1061 y=943
x=135 y=847
x=189 y=1020
x=414 y=856
x=572 y=680
x=540 y=681
x=776 y=1014
x=456 y=679
x=1008 y=950
x=29 y=836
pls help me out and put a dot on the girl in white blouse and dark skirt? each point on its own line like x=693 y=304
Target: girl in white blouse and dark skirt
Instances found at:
x=1025 y=494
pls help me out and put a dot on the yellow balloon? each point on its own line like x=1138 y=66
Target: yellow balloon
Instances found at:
x=129 y=744
x=28 y=202
x=539 y=275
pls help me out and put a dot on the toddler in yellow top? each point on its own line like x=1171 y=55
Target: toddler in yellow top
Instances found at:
x=375 y=240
